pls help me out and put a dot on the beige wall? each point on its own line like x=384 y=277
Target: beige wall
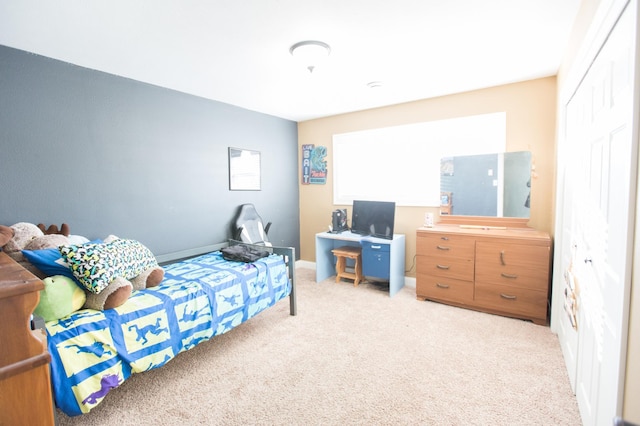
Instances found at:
x=531 y=113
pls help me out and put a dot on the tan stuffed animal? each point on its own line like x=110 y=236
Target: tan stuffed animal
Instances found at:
x=27 y=236
x=24 y=233
x=112 y=270
x=53 y=229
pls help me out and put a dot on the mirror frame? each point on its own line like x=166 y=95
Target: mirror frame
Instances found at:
x=485 y=221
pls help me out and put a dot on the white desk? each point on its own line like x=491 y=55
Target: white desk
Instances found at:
x=381 y=258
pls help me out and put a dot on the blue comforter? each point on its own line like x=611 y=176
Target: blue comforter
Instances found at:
x=95 y=351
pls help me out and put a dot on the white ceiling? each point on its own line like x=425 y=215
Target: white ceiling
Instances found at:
x=237 y=51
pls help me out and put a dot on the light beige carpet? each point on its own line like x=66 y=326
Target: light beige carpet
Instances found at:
x=354 y=356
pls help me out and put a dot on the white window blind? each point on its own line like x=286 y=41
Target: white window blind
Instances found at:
x=402 y=163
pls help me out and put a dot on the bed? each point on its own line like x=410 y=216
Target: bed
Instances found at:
x=202 y=295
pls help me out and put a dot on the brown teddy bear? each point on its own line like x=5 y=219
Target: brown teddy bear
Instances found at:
x=112 y=270
x=6 y=234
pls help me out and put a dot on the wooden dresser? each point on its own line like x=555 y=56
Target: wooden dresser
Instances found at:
x=495 y=269
x=25 y=387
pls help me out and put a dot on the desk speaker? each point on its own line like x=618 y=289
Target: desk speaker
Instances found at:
x=339 y=220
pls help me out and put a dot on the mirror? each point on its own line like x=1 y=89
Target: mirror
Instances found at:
x=497 y=185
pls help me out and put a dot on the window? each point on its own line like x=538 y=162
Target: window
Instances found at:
x=402 y=163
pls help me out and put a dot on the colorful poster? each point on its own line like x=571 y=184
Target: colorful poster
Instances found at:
x=314 y=165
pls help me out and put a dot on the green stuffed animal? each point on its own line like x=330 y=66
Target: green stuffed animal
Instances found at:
x=61 y=296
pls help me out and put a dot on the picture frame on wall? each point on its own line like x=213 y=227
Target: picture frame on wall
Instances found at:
x=244 y=169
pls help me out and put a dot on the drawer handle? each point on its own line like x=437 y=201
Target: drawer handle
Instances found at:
x=442 y=247
x=511 y=276
x=444 y=238
x=442 y=266
x=508 y=296
x=440 y=285
x=502 y=257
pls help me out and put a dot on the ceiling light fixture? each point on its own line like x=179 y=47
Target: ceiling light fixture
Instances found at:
x=310 y=52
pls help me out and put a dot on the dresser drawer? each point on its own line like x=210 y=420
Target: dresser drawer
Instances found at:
x=511 y=300
x=446 y=289
x=514 y=265
x=446 y=266
x=446 y=245
x=376 y=260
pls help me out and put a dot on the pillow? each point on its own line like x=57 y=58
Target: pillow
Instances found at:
x=96 y=265
x=79 y=239
x=46 y=261
x=50 y=262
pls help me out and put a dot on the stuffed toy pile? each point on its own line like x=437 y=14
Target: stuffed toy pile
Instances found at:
x=27 y=236
x=79 y=273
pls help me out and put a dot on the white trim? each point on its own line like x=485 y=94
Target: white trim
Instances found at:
x=305 y=264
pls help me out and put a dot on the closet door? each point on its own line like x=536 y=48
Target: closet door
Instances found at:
x=564 y=304
x=597 y=224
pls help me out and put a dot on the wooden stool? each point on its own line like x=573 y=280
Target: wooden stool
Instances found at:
x=344 y=253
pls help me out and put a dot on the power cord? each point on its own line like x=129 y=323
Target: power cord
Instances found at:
x=412 y=264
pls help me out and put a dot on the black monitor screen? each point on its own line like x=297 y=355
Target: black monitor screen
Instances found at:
x=373 y=218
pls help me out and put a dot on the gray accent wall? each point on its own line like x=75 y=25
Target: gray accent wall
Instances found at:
x=110 y=155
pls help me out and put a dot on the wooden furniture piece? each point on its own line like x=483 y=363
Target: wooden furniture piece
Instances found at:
x=342 y=254
x=495 y=269
x=381 y=258
x=25 y=387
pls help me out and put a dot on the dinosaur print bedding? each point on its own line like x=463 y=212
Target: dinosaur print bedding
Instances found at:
x=95 y=351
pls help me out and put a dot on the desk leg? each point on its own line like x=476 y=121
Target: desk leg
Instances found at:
x=396 y=266
x=325 y=266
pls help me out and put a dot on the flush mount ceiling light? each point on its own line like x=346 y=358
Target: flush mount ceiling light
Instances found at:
x=310 y=52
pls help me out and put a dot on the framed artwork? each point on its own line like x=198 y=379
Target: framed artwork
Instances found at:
x=244 y=169
x=314 y=165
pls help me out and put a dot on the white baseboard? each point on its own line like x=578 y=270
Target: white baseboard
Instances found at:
x=408 y=281
x=305 y=264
